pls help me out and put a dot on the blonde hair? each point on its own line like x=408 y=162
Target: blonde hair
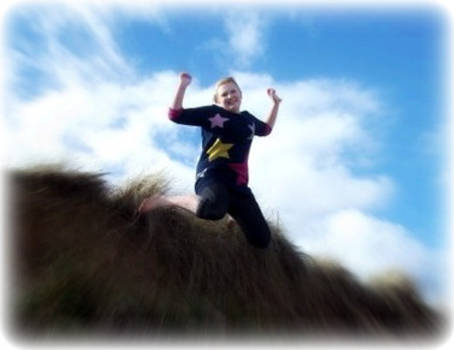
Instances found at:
x=223 y=81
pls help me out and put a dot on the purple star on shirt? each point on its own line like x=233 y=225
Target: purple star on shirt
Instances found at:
x=217 y=120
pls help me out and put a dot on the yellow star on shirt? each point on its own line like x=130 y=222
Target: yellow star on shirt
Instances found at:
x=218 y=150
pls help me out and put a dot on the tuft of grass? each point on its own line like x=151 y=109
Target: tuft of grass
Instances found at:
x=133 y=192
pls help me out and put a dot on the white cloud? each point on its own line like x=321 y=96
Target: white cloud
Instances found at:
x=385 y=244
x=105 y=117
x=369 y=246
x=245 y=36
x=103 y=127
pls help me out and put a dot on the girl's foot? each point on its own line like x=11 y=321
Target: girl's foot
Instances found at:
x=230 y=222
x=153 y=202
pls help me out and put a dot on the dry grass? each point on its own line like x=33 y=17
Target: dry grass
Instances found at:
x=84 y=261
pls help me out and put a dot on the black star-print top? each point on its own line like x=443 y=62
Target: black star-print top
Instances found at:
x=226 y=140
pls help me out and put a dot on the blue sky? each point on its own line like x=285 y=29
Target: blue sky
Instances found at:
x=359 y=135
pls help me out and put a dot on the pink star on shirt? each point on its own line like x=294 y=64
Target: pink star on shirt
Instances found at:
x=217 y=120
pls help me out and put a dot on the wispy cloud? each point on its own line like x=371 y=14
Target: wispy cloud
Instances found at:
x=245 y=40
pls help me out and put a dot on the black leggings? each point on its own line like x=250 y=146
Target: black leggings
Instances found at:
x=216 y=200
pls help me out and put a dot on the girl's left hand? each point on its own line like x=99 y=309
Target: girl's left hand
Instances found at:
x=272 y=94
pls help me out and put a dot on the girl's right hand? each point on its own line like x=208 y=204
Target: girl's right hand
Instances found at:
x=185 y=79
x=274 y=97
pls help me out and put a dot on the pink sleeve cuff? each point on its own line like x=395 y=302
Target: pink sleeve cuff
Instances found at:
x=174 y=113
x=268 y=130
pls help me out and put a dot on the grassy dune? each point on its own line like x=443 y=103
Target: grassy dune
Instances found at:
x=83 y=261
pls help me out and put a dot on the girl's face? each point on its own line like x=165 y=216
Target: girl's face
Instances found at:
x=228 y=96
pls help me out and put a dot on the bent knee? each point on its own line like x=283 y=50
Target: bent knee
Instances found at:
x=210 y=212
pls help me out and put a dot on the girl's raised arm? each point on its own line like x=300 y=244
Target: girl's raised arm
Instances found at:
x=273 y=113
x=185 y=80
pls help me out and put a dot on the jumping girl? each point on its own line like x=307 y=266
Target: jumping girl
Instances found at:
x=222 y=171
